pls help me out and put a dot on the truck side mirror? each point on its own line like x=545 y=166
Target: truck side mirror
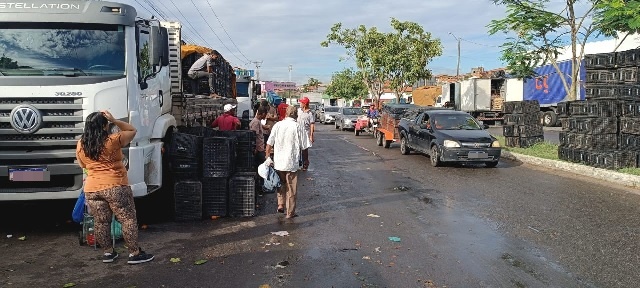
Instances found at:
x=164 y=37
x=156 y=47
x=257 y=88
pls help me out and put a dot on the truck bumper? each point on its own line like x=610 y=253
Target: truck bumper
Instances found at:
x=470 y=155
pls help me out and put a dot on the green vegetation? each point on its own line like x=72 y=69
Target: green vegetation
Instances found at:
x=347 y=84
x=547 y=150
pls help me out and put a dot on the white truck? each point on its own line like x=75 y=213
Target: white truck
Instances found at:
x=64 y=59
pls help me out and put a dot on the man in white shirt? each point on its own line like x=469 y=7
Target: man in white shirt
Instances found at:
x=286 y=142
x=197 y=69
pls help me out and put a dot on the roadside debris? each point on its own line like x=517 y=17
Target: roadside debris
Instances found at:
x=373 y=216
x=9 y=236
x=394 y=239
x=377 y=249
x=22 y=238
x=68 y=285
x=366 y=257
x=200 y=262
x=281 y=233
x=282 y=264
x=174 y=260
x=402 y=188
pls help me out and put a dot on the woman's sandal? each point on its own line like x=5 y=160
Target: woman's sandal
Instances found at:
x=280 y=210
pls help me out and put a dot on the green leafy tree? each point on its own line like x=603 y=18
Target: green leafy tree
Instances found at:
x=8 y=63
x=347 y=84
x=399 y=57
x=539 y=34
x=311 y=83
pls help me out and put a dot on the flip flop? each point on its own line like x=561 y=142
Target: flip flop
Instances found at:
x=280 y=210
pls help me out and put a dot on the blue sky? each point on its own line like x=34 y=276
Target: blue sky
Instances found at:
x=289 y=32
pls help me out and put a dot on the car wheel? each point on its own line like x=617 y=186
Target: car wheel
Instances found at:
x=435 y=158
x=387 y=144
x=491 y=164
x=404 y=149
x=380 y=139
x=336 y=124
x=356 y=131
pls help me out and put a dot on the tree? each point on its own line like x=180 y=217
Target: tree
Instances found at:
x=347 y=84
x=399 y=58
x=541 y=34
x=312 y=82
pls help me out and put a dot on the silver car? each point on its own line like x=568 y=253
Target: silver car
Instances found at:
x=347 y=117
x=328 y=114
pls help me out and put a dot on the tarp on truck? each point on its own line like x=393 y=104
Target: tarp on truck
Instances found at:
x=547 y=87
x=186 y=50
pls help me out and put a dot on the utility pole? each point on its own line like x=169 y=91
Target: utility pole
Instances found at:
x=258 y=64
x=290 y=68
x=458 y=68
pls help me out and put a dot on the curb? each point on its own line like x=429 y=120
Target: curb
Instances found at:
x=595 y=173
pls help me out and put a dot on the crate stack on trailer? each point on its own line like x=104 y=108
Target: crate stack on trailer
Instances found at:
x=223 y=78
x=522 y=123
x=220 y=171
x=602 y=131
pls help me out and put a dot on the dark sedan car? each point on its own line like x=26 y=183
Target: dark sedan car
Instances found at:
x=449 y=136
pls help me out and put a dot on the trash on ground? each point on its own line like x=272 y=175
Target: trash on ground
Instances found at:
x=174 y=260
x=22 y=238
x=373 y=216
x=200 y=262
x=68 y=285
x=282 y=264
x=402 y=188
x=291 y=244
x=281 y=233
x=377 y=249
x=366 y=257
x=348 y=249
x=264 y=286
x=9 y=236
x=394 y=239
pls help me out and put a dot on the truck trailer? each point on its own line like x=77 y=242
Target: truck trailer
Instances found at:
x=63 y=60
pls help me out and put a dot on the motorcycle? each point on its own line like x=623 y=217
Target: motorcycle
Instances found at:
x=365 y=124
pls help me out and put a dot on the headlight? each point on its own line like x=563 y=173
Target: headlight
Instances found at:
x=495 y=144
x=347 y=121
x=451 y=144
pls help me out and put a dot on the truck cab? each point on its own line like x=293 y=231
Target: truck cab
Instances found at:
x=69 y=59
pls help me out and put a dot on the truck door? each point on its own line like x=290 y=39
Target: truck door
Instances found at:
x=150 y=96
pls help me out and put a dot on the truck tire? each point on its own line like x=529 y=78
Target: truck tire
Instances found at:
x=380 y=139
x=491 y=164
x=549 y=119
x=336 y=124
x=404 y=147
x=434 y=157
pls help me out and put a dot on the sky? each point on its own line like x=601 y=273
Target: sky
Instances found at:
x=288 y=32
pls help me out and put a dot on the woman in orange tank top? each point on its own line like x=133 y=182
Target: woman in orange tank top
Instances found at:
x=106 y=187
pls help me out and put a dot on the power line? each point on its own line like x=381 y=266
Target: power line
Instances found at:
x=145 y=8
x=189 y=23
x=225 y=31
x=485 y=45
x=214 y=32
x=187 y=38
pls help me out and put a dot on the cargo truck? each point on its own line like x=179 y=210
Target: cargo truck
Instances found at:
x=61 y=61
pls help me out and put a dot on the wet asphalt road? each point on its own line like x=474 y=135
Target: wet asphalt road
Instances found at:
x=510 y=226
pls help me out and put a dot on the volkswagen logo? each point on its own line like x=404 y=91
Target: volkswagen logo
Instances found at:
x=25 y=119
x=476 y=145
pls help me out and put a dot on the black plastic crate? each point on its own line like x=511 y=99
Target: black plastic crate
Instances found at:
x=565 y=124
x=512 y=141
x=629 y=75
x=629 y=142
x=593 y=91
x=581 y=124
x=604 y=142
x=628 y=91
x=563 y=138
x=579 y=108
x=571 y=139
x=509 y=131
x=526 y=142
x=605 y=107
x=604 y=125
x=563 y=109
x=242 y=195
x=598 y=61
x=530 y=106
x=630 y=125
x=603 y=76
x=215 y=196
x=508 y=107
x=629 y=58
x=188 y=200
x=245 y=161
x=218 y=157
x=629 y=109
x=185 y=146
x=530 y=130
x=185 y=169
x=563 y=152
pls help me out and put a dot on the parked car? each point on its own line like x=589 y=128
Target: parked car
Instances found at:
x=347 y=117
x=449 y=136
x=327 y=115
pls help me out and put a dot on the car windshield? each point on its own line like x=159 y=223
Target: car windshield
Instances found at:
x=331 y=109
x=455 y=122
x=352 y=111
x=61 y=50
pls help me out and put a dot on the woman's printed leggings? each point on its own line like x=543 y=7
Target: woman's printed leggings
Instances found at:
x=119 y=201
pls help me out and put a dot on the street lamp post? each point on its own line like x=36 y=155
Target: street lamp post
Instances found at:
x=458 y=68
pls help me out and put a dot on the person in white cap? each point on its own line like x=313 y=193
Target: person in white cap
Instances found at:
x=227 y=121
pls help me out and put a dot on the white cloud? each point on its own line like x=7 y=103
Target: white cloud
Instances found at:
x=285 y=32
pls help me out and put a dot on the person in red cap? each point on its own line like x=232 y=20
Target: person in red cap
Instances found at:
x=307 y=124
x=227 y=121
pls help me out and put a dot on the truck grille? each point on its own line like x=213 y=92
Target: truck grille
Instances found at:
x=52 y=146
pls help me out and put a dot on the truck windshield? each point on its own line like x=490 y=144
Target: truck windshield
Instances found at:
x=72 y=50
x=331 y=109
x=455 y=122
x=352 y=111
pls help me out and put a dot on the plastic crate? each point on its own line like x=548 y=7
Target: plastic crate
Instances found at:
x=604 y=125
x=601 y=60
x=185 y=146
x=242 y=195
x=630 y=125
x=509 y=131
x=215 y=196
x=188 y=200
x=604 y=142
x=629 y=58
x=512 y=141
x=245 y=161
x=530 y=130
x=218 y=157
x=563 y=110
x=185 y=169
x=579 y=108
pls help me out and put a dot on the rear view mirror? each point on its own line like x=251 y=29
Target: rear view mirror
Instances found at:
x=164 y=37
x=155 y=49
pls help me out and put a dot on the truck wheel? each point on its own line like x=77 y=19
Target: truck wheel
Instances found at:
x=404 y=148
x=387 y=144
x=336 y=124
x=435 y=158
x=549 y=119
x=380 y=139
x=356 y=131
x=491 y=164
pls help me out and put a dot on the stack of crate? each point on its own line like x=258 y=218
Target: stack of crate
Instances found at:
x=522 y=123
x=222 y=79
x=601 y=130
x=191 y=110
x=185 y=165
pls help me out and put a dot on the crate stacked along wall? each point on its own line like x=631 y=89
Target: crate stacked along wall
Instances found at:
x=223 y=75
x=522 y=123
x=227 y=181
x=600 y=131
